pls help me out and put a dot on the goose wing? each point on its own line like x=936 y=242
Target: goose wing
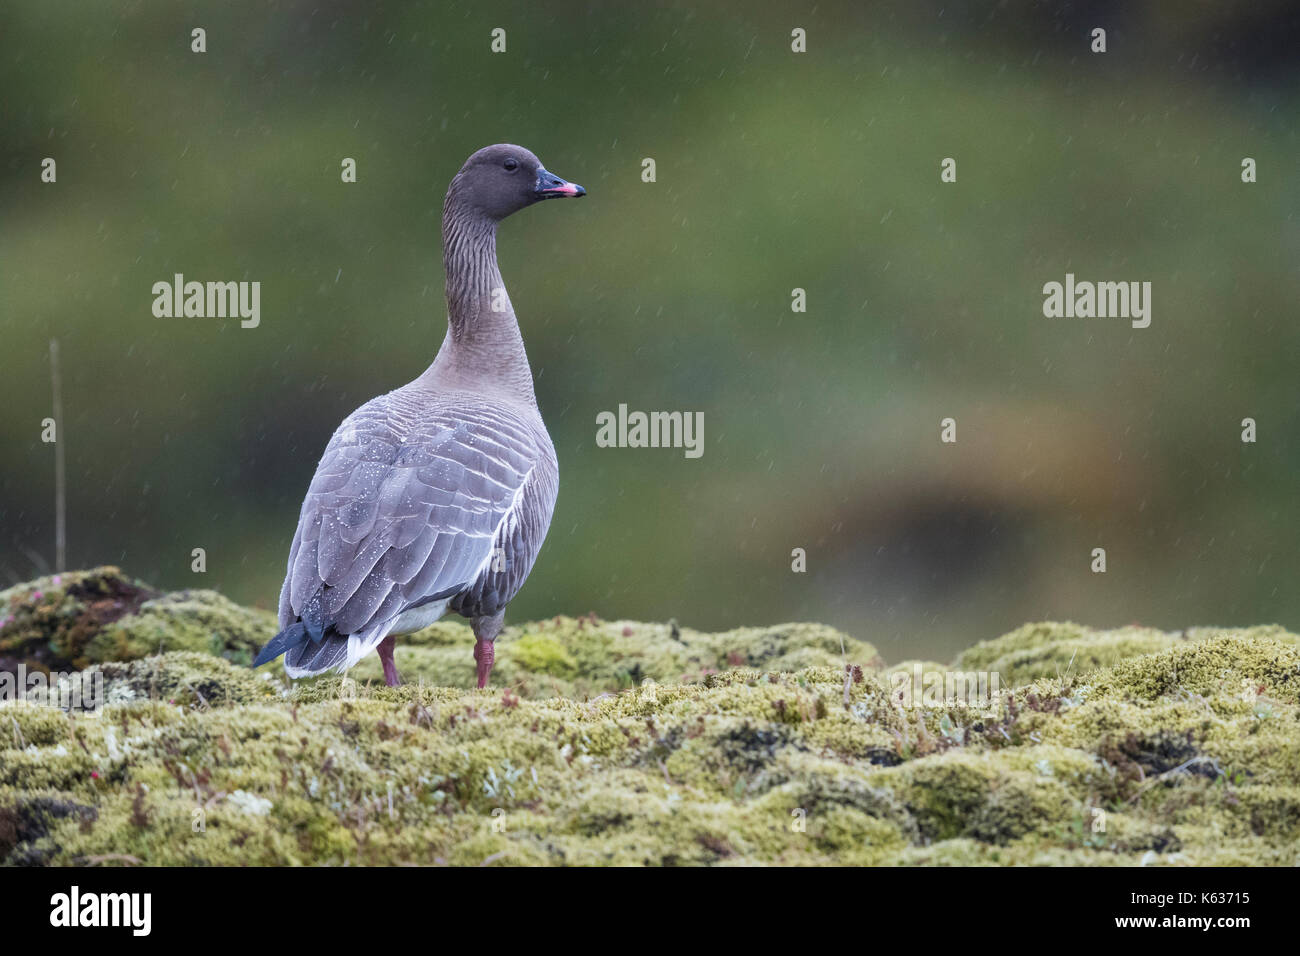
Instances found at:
x=407 y=504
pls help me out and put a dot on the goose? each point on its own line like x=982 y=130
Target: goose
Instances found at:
x=436 y=496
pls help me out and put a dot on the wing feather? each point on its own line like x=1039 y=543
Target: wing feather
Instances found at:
x=408 y=501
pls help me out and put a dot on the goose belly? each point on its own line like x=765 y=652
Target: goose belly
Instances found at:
x=419 y=617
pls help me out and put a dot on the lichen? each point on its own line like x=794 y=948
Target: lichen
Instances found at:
x=631 y=743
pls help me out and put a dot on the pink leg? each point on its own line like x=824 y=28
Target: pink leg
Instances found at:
x=386 y=647
x=485 y=655
x=486 y=630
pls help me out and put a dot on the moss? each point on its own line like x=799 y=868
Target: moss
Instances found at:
x=69 y=621
x=1064 y=650
x=1059 y=650
x=47 y=624
x=32 y=725
x=200 y=621
x=618 y=743
x=1230 y=663
x=542 y=654
x=25 y=819
x=584 y=657
x=184 y=678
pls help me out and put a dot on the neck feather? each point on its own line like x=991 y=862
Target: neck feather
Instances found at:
x=483 y=351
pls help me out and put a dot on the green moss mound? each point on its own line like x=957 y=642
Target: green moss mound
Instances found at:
x=1052 y=649
x=625 y=743
x=72 y=620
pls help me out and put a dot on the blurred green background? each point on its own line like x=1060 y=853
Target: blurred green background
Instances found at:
x=775 y=170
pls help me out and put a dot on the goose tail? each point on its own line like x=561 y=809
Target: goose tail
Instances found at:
x=307 y=654
x=306 y=650
x=292 y=636
x=315 y=657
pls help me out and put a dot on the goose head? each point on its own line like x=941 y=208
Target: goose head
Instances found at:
x=502 y=179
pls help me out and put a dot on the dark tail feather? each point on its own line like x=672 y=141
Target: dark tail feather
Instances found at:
x=315 y=657
x=289 y=638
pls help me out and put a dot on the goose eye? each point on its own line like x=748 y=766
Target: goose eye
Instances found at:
x=511 y=165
